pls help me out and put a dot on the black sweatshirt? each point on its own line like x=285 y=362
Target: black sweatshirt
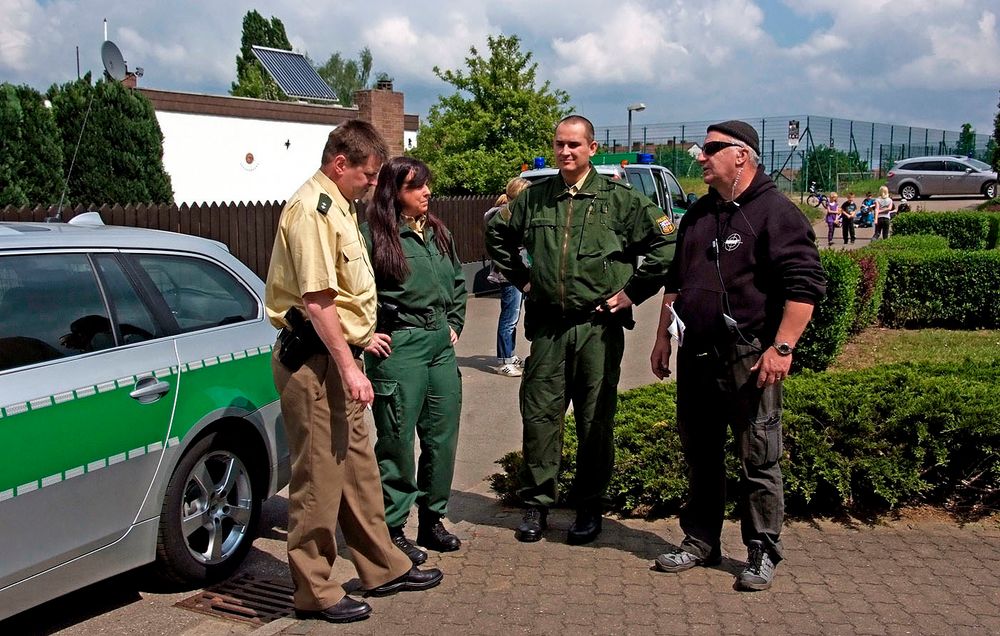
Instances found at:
x=744 y=259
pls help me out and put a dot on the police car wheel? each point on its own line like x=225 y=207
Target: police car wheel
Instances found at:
x=210 y=512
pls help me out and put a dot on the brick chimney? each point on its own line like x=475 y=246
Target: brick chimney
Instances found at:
x=383 y=108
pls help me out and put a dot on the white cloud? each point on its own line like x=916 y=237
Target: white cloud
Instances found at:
x=928 y=60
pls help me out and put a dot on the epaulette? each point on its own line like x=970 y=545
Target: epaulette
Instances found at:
x=620 y=183
x=324 y=203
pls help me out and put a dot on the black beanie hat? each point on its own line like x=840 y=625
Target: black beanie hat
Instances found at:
x=739 y=130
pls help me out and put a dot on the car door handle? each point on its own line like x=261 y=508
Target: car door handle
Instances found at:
x=149 y=390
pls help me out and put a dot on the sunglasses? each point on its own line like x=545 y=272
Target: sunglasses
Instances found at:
x=712 y=147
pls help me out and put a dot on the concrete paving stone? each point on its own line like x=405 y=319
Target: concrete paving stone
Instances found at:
x=893 y=613
x=956 y=614
x=814 y=592
x=799 y=622
x=932 y=623
x=865 y=622
x=838 y=629
x=854 y=603
x=990 y=624
x=980 y=605
x=828 y=612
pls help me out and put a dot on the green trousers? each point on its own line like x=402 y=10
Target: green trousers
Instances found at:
x=578 y=363
x=418 y=393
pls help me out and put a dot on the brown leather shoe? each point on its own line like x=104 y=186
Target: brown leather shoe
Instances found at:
x=346 y=610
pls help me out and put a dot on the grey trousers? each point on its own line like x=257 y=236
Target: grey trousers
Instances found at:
x=716 y=390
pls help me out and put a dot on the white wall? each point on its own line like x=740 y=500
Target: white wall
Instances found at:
x=205 y=157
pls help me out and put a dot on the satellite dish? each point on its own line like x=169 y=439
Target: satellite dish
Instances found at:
x=114 y=63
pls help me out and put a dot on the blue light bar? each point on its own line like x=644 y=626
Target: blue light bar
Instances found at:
x=539 y=162
x=643 y=157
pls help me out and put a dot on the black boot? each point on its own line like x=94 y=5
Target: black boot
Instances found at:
x=432 y=534
x=417 y=556
x=586 y=527
x=533 y=525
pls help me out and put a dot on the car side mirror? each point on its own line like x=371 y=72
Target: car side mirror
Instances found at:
x=968 y=171
x=692 y=197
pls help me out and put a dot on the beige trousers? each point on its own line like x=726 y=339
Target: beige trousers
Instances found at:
x=334 y=479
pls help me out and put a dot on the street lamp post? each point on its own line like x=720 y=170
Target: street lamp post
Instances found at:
x=638 y=106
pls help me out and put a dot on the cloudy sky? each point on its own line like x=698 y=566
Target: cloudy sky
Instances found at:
x=928 y=63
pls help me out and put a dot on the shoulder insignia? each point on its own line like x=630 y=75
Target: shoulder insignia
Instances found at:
x=324 y=203
x=666 y=227
x=620 y=183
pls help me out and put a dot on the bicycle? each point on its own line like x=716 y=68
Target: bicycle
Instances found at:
x=816 y=198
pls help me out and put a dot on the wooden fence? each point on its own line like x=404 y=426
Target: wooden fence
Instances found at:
x=249 y=228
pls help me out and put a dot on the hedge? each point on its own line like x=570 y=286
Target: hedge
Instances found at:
x=834 y=316
x=964 y=230
x=857 y=441
x=942 y=288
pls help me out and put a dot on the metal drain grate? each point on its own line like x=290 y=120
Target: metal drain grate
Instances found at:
x=245 y=599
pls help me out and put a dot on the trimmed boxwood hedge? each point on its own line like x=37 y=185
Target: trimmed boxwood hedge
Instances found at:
x=964 y=230
x=942 y=288
x=834 y=316
x=858 y=441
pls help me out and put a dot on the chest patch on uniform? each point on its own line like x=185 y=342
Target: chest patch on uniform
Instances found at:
x=733 y=241
x=324 y=203
x=666 y=227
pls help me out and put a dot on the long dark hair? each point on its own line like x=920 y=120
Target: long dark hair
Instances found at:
x=385 y=213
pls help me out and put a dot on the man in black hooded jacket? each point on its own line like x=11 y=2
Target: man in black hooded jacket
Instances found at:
x=744 y=281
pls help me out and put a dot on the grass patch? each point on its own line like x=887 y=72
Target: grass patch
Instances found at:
x=693 y=184
x=859 y=188
x=877 y=346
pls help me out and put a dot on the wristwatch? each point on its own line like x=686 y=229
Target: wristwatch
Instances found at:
x=783 y=348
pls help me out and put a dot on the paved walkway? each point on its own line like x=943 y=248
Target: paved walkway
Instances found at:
x=929 y=576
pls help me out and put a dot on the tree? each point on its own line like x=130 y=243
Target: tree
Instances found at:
x=822 y=165
x=966 y=141
x=995 y=155
x=251 y=78
x=31 y=159
x=346 y=76
x=477 y=138
x=120 y=154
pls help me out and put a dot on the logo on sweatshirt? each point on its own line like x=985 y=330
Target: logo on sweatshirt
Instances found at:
x=733 y=241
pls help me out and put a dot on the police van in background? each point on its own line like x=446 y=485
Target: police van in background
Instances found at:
x=655 y=181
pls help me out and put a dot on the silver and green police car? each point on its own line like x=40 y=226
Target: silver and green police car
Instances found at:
x=138 y=418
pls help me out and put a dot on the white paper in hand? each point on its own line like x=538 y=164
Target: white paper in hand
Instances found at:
x=676 y=327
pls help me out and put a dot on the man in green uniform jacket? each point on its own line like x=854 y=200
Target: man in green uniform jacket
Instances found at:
x=584 y=234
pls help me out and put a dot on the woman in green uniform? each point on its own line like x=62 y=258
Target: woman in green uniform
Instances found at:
x=418 y=390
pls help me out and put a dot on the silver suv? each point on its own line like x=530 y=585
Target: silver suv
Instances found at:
x=944 y=174
x=138 y=417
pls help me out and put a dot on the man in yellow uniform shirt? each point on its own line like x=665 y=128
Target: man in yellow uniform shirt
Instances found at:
x=321 y=293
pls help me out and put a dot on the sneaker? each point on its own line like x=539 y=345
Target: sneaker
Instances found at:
x=679 y=559
x=759 y=571
x=510 y=370
x=517 y=361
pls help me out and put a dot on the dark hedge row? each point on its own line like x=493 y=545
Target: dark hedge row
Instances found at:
x=858 y=441
x=964 y=230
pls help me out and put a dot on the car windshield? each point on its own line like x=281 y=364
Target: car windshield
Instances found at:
x=978 y=165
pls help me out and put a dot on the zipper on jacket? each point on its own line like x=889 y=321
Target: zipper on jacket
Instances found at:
x=565 y=254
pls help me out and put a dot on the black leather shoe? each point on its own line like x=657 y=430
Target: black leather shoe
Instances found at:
x=413 y=581
x=586 y=527
x=346 y=610
x=436 y=537
x=533 y=524
x=417 y=556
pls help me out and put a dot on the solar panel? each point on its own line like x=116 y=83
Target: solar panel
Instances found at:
x=293 y=73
